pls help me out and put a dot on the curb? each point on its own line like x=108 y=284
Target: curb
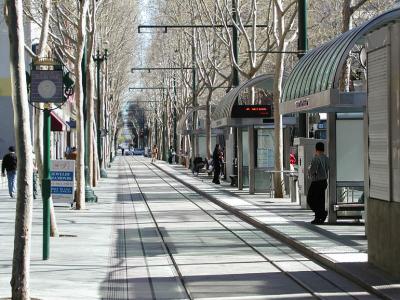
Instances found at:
x=298 y=246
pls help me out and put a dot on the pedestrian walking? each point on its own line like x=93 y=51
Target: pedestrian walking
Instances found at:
x=9 y=165
x=35 y=177
x=318 y=173
x=217 y=162
x=154 y=153
x=171 y=155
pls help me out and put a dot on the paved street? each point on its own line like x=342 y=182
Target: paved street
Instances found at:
x=179 y=245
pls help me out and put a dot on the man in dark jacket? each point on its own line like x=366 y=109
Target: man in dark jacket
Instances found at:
x=217 y=161
x=9 y=164
x=318 y=173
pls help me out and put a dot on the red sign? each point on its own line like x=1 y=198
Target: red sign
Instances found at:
x=252 y=111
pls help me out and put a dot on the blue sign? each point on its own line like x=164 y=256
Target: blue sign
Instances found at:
x=62 y=176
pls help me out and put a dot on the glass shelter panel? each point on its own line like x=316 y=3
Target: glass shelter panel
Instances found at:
x=265 y=148
x=245 y=148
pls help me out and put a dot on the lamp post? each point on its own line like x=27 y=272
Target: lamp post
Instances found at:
x=99 y=58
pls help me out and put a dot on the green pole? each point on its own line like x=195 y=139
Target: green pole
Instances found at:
x=194 y=103
x=303 y=47
x=164 y=126
x=46 y=184
x=89 y=194
x=175 y=118
x=103 y=173
x=235 y=44
x=235 y=76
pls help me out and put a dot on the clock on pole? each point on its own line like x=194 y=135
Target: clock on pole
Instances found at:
x=47 y=86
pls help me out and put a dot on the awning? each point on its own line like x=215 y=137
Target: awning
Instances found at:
x=222 y=116
x=57 y=124
x=313 y=85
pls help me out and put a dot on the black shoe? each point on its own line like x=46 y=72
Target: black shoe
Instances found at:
x=324 y=216
x=317 y=222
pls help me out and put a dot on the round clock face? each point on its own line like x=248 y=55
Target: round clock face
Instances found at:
x=47 y=89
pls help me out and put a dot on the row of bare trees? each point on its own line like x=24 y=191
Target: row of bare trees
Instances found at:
x=69 y=30
x=266 y=30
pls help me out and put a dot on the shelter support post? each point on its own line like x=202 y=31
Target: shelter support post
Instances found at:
x=240 y=158
x=332 y=189
x=252 y=187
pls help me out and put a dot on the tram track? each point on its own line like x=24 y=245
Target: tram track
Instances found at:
x=233 y=218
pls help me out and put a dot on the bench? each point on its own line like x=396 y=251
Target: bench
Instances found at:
x=349 y=207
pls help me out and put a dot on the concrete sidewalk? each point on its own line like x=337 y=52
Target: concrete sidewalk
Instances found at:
x=79 y=262
x=342 y=247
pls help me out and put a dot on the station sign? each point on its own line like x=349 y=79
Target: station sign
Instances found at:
x=62 y=181
x=252 y=111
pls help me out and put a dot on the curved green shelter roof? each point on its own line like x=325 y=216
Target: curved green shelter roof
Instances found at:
x=224 y=108
x=320 y=69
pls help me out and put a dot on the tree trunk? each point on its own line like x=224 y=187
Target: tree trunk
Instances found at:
x=23 y=216
x=346 y=26
x=278 y=146
x=39 y=141
x=346 y=15
x=53 y=220
x=80 y=124
x=90 y=107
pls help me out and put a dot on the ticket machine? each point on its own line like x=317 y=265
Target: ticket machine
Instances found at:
x=305 y=153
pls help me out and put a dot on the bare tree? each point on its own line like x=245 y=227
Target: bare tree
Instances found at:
x=80 y=45
x=284 y=17
x=23 y=219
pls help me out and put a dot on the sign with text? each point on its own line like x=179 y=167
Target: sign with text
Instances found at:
x=252 y=111
x=62 y=180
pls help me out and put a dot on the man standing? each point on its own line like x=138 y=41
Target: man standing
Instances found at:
x=318 y=173
x=217 y=161
x=9 y=164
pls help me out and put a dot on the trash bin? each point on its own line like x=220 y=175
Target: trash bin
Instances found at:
x=293 y=187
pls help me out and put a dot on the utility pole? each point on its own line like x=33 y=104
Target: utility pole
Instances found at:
x=302 y=48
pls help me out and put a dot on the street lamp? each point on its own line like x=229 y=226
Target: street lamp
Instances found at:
x=99 y=58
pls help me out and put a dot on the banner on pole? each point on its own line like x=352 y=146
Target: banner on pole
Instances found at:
x=62 y=181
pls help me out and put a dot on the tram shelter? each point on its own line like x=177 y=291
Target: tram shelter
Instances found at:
x=198 y=134
x=245 y=115
x=316 y=85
